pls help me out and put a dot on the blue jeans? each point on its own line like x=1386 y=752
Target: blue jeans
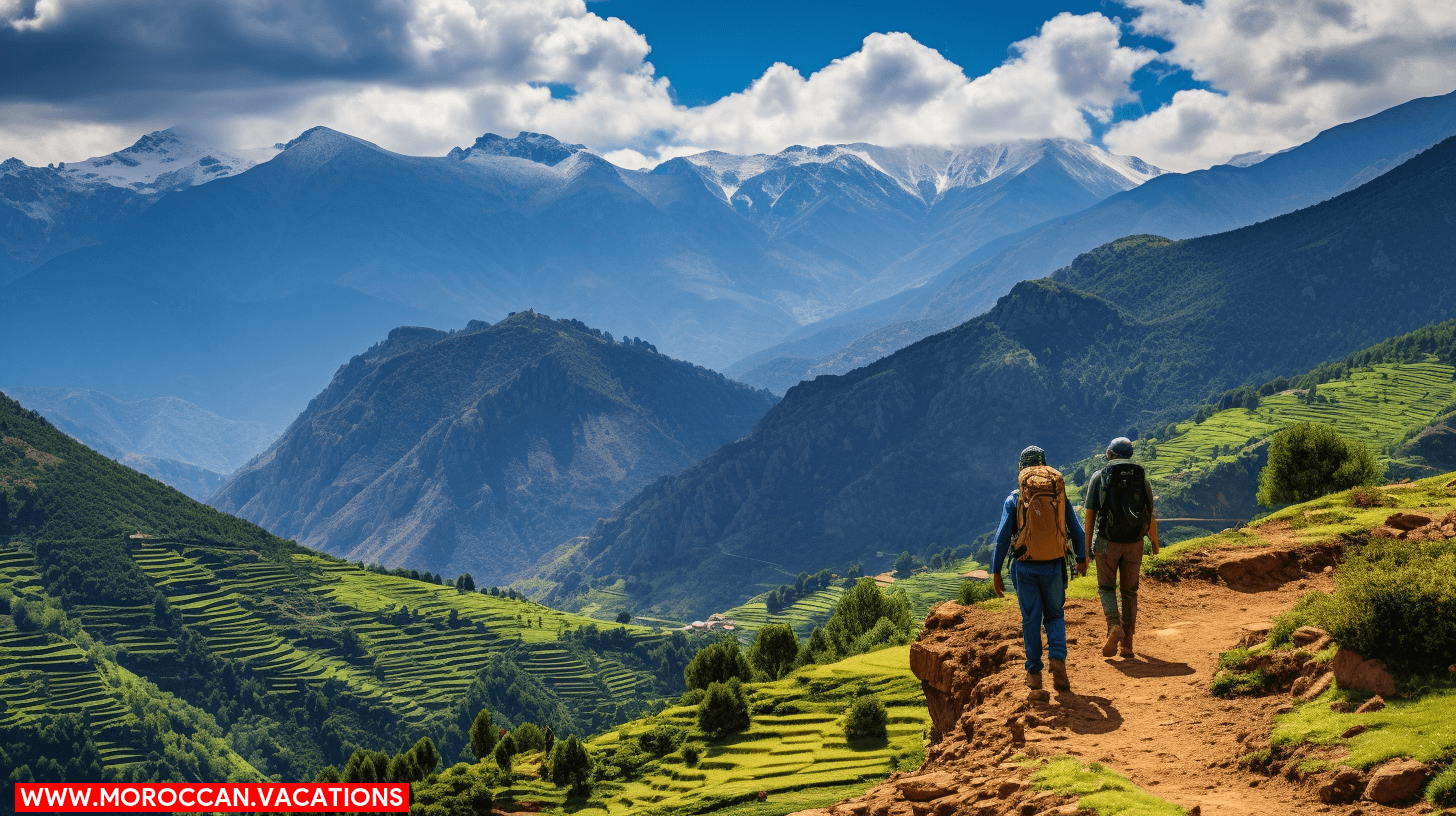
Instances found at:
x=1040 y=593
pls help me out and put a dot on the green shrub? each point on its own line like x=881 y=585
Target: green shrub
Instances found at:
x=1310 y=459
x=690 y=755
x=691 y=697
x=1396 y=601
x=1307 y=611
x=661 y=739
x=529 y=737
x=724 y=709
x=866 y=719
x=975 y=591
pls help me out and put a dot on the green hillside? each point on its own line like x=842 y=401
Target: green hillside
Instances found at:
x=1395 y=397
x=794 y=751
x=192 y=645
x=921 y=446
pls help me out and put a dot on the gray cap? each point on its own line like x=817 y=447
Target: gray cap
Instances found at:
x=1122 y=446
x=1032 y=456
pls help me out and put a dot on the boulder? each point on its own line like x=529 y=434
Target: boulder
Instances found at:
x=1317 y=688
x=1396 y=781
x=1375 y=703
x=1355 y=672
x=927 y=787
x=1346 y=786
x=1305 y=635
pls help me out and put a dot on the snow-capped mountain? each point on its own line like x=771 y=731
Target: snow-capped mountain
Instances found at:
x=928 y=172
x=165 y=160
x=254 y=289
x=46 y=211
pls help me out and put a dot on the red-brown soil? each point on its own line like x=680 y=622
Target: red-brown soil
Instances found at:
x=1150 y=717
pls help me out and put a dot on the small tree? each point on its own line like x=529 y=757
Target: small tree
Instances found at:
x=724 y=709
x=717 y=663
x=904 y=565
x=504 y=750
x=866 y=719
x=482 y=735
x=465 y=583
x=571 y=765
x=1311 y=459
x=426 y=757
x=624 y=617
x=528 y=737
x=775 y=650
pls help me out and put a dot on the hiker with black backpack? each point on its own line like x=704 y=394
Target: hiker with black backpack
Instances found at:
x=1119 y=514
x=1040 y=530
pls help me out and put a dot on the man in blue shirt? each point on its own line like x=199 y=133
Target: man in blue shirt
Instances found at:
x=1041 y=586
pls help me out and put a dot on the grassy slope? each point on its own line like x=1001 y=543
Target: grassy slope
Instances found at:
x=800 y=759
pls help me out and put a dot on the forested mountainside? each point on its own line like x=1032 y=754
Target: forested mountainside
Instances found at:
x=144 y=635
x=921 y=446
x=477 y=451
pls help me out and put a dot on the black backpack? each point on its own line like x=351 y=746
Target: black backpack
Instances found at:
x=1126 y=504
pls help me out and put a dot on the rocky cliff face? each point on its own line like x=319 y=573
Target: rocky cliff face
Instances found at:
x=476 y=451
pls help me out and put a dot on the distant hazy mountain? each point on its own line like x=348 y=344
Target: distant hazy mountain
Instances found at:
x=250 y=287
x=166 y=438
x=918 y=449
x=476 y=451
x=45 y=211
x=1250 y=188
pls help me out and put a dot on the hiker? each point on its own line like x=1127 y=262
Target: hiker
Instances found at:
x=1036 y=523
x=1119 y=513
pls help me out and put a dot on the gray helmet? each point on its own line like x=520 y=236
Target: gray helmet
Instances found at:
x=1032 y=456
x=1122 y=446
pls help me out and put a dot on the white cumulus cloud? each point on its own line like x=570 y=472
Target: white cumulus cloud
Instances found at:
x=1280 y=72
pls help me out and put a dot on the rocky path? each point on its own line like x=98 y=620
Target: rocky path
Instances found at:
x=1150 y=717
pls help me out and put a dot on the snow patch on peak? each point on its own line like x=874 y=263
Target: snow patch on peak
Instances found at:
x=164 y=160
x=536 y=147
x=929 y=172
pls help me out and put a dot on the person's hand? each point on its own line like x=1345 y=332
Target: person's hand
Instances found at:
x=1082 y=567
x=997 y=586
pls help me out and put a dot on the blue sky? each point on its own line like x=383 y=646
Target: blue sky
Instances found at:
x=1181 y=85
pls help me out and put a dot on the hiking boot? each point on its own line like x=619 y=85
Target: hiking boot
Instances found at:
x=1033 y=681
x=1114 y=637
x=1127 y=645
x=1059 y=674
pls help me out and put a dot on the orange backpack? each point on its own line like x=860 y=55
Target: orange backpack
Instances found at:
x=1041 y=515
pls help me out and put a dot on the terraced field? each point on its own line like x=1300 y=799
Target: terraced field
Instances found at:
x=798 y=757
x=422 y=644
x=924 y=590
x=1376 y=406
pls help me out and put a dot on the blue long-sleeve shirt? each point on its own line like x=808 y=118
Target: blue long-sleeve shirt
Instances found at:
x=1008 y=529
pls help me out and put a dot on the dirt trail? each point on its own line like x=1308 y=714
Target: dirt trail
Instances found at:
x=1152 y=718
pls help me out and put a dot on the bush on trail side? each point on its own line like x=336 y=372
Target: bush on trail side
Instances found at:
x=724 y=710
x=1310 y=459
x=973 y=592
x=866 y=719
x=1396 y=601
